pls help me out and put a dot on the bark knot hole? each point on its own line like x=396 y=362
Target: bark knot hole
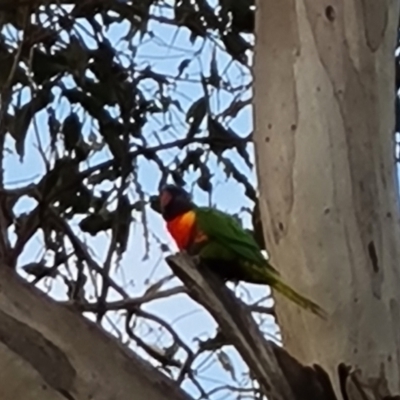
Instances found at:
x=373 y=256
x=330 y=13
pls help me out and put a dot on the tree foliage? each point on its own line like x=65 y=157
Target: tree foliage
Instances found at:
x=78 y=88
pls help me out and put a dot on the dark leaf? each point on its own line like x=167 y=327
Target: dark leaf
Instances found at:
x=214 y=79
x=183 y=65
x=235 y=107
x=178 y=178
x=111 y=131
x=76 y=56
x=187 y=15
x=155 y=203
x=226 y=363
x=7 y=63
x=106 y=174
x=66 y=22
x=60 y=258
x=39 y=270
x=54 y=127
x=124 y=218
x=155 y=287
x=243 y=152
x=236 y=46
x=45 y=66
x=39 y=34
x=82 y=150
x=164 y=248
x=195 y=115
x=192 y=159
x=76 y=288
x=65 y=174
x=104 y=91
x=105 y=53
x=79 y=202
x=85 y=9
x=23 y=118
x=92 y=105
x=204 y=181
x=212 y=344
x=138 y=205
x=72 y=131
x=143 y=11
x=242 y=14
x=220 y=137
x=148 y=73
x=95 y=223
x=218 y=131
x=232 y=171
x=197 y=110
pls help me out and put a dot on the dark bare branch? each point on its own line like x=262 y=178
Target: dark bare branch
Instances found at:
x=129 y=304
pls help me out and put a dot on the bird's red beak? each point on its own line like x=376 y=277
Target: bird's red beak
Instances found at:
x=165 y=198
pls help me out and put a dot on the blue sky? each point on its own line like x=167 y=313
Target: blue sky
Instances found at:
x=139 y=268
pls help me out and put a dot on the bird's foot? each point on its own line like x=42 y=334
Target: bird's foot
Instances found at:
x=196 y=260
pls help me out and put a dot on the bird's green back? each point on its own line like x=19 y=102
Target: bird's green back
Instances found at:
x=226 y=230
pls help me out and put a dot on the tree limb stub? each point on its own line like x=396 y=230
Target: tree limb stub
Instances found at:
x=281 y=376
x=48 y=352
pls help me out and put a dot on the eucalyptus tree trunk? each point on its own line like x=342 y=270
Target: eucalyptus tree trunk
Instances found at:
x=324 y=136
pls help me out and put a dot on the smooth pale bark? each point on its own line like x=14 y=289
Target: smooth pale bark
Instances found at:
x=48 y=352
x=324 y=135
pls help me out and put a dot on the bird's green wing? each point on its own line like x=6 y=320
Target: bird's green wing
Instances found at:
x=226 y=230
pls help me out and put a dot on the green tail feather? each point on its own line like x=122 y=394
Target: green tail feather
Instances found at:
x=270 y=276
x=297 y=298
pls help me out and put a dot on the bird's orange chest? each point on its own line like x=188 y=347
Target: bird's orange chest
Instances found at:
x=184 y=231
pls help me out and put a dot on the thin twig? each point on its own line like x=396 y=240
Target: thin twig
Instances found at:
x=262 y=309
x=129 y=304
x=81 y=251
x=165 y=361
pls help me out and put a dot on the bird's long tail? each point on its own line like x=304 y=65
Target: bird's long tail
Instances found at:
x=270 y=276
x=297 y=298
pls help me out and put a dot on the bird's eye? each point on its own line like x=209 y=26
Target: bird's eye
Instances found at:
x=165 y=198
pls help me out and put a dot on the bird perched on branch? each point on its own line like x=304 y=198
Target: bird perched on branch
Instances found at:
x=221 y=244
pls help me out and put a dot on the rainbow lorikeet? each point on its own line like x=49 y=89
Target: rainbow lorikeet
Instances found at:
x=221 y=244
